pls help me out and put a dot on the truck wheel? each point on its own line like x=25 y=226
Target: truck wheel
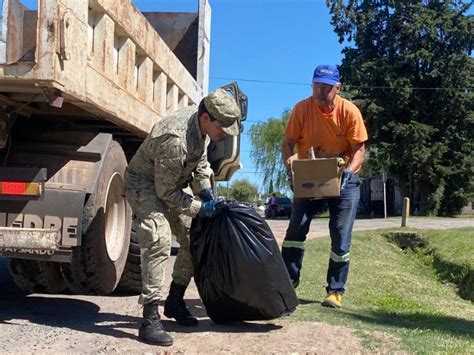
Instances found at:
x=271 y=214
x=97 y=265
x=131 y=280
x=33 y=276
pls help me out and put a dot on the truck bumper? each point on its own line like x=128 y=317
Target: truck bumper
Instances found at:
x=29 y=238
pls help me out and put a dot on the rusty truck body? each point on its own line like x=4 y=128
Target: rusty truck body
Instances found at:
x=81 y=84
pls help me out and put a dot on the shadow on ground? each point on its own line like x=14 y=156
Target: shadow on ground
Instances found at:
x=445 y=324
x=196 y=307
x=58 y=312
x=303 y=301
x=68 y=313
x=85 y=316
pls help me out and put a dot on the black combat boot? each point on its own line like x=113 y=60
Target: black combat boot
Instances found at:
x=151 y=331
x=176 y=308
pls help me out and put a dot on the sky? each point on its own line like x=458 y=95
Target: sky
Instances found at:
x=270 y=47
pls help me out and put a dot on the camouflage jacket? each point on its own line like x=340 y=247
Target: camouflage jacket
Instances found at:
x=172 y=157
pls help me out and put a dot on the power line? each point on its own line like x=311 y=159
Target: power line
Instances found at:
x=261 y=134
x=251 y=121
x=346 y=85
x=250 y=172
x=261 y=81
x=409 y=88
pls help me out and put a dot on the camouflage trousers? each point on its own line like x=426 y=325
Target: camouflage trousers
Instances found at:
x=155 y=224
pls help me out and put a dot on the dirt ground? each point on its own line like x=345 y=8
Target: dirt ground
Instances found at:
x=40 y=324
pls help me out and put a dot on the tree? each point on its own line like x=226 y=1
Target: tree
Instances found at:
x=410 y=64
x=266 y=139
x=223 y=191
x=243 y=191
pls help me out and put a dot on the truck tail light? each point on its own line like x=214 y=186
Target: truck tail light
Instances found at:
x=20 y=188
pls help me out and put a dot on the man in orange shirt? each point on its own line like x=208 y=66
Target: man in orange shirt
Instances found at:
x=334 y=127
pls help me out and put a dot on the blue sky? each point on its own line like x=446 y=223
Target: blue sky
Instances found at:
x=276 y=41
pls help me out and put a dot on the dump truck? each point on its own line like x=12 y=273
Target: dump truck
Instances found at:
x=81 y=85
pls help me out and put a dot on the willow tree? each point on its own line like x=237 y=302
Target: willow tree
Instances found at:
x=266 y=139
x=411 y=63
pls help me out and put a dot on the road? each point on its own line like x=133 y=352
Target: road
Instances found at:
x=319 y=226
x=94 y=324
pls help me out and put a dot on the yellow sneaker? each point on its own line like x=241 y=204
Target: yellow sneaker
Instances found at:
x=333 y=300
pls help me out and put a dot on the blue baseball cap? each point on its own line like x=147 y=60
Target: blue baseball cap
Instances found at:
x=326 y=74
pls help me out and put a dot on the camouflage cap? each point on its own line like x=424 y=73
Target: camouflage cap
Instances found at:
x=223 y=108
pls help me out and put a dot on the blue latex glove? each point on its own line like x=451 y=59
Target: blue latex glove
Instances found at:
x=206 y=195
x=346 y=175
x=211 y=208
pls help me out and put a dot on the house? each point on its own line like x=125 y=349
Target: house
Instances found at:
x=372 y=196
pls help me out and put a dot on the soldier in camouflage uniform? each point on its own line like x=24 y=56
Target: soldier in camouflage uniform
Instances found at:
x=170 y=162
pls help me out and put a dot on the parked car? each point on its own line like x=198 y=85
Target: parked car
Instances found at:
x=281 y=209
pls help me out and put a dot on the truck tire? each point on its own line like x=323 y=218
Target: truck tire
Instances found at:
x=97 y=265
x=270 y=214
x=33 y=276
x=131 y=280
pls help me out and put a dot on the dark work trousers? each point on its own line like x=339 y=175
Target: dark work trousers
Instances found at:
x=342 y=212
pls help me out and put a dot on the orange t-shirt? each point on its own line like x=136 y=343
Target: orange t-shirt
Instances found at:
x=329 y=134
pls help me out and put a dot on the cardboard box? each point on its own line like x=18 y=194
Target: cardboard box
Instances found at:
x=316 y=178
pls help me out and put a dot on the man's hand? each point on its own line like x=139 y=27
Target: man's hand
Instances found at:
x=206 y=195
x=346 y=175
x=287 y=151
x=211 y=208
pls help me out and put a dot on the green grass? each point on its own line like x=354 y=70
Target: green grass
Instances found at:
x=394 y=291
x=448 y=251
x=453 y=258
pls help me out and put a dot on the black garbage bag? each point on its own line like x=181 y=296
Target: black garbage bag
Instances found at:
x=239 y=271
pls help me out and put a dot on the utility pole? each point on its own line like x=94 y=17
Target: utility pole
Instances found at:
x=405 y=211
x=384 y=180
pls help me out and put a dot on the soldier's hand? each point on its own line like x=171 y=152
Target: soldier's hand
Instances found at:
x=206 y=195
x=211 y=208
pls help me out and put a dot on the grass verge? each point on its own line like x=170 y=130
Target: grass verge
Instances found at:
x=394 y=292
x=451 y=254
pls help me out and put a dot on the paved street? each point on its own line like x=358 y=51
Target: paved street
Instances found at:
x=319 y=226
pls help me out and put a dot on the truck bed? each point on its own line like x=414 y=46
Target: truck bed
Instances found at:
x=102 y=62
